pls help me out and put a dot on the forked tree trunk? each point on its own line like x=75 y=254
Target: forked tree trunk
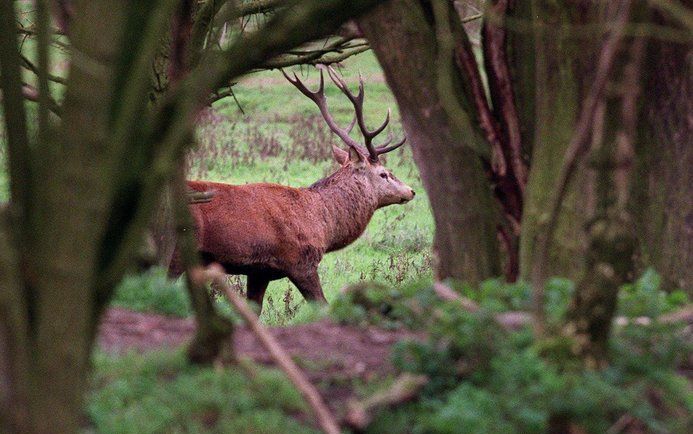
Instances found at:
x=465 y=242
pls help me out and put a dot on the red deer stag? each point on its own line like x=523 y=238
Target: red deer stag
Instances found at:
x=270 y=231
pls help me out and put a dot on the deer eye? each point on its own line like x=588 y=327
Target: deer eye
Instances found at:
x=383 y=175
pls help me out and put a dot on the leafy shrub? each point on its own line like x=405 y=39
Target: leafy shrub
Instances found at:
x=485 y=379
x=645 y=298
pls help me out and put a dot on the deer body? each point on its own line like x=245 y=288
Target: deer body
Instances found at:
x=270 y=231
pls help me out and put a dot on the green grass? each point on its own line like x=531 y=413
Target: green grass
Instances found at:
x=163 y=393
x=280 y=139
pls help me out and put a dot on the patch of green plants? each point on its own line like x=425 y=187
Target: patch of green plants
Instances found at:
x=162 y=393
x=152 y=291
x=645 y=297
x=484 y=378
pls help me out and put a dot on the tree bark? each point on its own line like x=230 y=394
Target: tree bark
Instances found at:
x=465 y=242
x=662 y=205
x=561 y=74
x=69 y=210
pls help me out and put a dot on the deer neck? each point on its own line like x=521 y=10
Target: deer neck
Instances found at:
x=347 y=207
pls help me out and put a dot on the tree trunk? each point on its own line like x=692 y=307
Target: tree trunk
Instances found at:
x=662 y=205
x=561 y=75
x=70 y=204
x=466 y=218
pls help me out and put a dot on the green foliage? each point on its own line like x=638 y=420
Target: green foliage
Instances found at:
x=483 y=378
x=383 y=305
x=162 y=393
x=645 y=298
x=153 y=292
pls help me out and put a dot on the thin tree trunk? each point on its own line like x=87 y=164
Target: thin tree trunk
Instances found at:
x=465 y=242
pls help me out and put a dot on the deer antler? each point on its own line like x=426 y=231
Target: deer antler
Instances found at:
x=318 y=97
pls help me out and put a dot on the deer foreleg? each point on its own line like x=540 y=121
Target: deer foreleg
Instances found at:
x=308 y=283
x=257 y=284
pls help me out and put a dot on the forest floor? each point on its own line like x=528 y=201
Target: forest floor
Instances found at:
x=334 y=356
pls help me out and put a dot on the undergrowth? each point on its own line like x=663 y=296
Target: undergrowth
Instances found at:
x=484 y=379
x=162 y=393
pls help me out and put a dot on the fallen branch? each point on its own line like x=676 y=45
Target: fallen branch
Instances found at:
x=510 y=321
x=448 y=294
x=515 y=320
x=325 y=419
x=406 y=387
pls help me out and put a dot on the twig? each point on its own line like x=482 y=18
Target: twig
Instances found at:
x=446 y=293
x=471 y=18
x=675 y=11
x=32 y=94
x=329 y=58
x=577 y=148
x=405 y=388
x=508 y=320
x=26 y=63
x=195 y=197
x=324 y=417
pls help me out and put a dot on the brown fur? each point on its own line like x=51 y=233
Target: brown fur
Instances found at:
x=270 y=231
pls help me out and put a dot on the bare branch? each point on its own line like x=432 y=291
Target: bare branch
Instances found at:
x=405 y=388
x=508 y=320
x=676 y=11
x=28 y=64
x=316 y=57
x=32 y=94
x=324 y=417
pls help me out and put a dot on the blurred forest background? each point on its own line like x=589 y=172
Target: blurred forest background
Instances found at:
x=540 y=281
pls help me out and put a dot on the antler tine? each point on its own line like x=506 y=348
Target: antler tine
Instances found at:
x=383 y=149
x=314 y=96
x=389 y=140
x=380 y=129
x=351 y=125
x=357 y=102
x=318 y=97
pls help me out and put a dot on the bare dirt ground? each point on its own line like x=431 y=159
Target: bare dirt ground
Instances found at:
x=332 y=355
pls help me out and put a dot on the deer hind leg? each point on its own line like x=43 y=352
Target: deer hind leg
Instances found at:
x=308 y=283
x=257 y=284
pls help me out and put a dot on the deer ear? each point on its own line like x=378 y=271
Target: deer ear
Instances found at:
x=356 y=157
x=340 y=156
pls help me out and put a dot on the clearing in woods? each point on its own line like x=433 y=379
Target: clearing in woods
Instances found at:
x=279 y=137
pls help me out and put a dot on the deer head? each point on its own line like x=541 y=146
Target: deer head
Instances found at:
x=361 y=162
